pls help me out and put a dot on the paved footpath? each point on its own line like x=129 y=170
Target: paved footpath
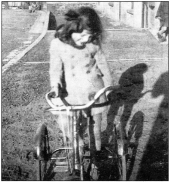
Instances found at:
x=126 y=51
x=19 y=30
x=16 y=24
x=31 y=38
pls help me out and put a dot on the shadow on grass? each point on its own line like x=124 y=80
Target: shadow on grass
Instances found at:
x=154 y=165
x=50 y=173
x=130 y=91
x=135 y=131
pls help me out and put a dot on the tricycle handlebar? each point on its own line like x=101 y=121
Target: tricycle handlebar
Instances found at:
x=66 y=106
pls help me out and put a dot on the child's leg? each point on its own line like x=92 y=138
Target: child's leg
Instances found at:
x=65 y=126
x=97 y=130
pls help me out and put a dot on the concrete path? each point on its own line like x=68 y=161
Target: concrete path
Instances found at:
x=38 y=30
x=126 y=51
x=39 y=23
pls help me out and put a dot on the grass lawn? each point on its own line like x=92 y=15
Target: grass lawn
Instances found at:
x=15 y=28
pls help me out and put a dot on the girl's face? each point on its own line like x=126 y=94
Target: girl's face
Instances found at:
x=82 y=38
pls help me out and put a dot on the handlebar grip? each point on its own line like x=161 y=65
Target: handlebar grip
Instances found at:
x=52 y=94
x=58 y=101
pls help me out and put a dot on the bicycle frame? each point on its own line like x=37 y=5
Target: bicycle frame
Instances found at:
x=76 y=148
x=72 y=113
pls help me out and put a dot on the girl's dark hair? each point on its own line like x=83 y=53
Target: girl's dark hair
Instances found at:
x=78 y=20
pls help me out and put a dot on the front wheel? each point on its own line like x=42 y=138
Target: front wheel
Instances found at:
x=42 y=169
x=42 y=151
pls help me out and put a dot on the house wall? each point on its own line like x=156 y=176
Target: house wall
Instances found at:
x=153 y=22
x=61 y=8
x=135 y=14
x=14 y=4
x=111 y=10
x=118 y=11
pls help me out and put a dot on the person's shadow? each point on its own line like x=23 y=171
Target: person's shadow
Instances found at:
x=130 y=91
x=134 y=133
x=154 y=164
x=131 y=85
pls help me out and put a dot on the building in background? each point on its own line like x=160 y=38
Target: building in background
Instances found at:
x=134 y=14
x=21 y=4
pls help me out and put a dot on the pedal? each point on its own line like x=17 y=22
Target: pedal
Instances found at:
x=87 y=154
x=110 y=156
x=61 y=169
x=61 y=164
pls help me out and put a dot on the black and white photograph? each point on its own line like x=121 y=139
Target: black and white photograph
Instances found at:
x=84 y=90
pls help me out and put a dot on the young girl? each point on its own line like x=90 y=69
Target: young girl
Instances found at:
x=78 y=68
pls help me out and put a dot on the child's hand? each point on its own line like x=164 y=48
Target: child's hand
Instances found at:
x=114 y=94
x=54 y=92
x=108 y=95
x=158 y=17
